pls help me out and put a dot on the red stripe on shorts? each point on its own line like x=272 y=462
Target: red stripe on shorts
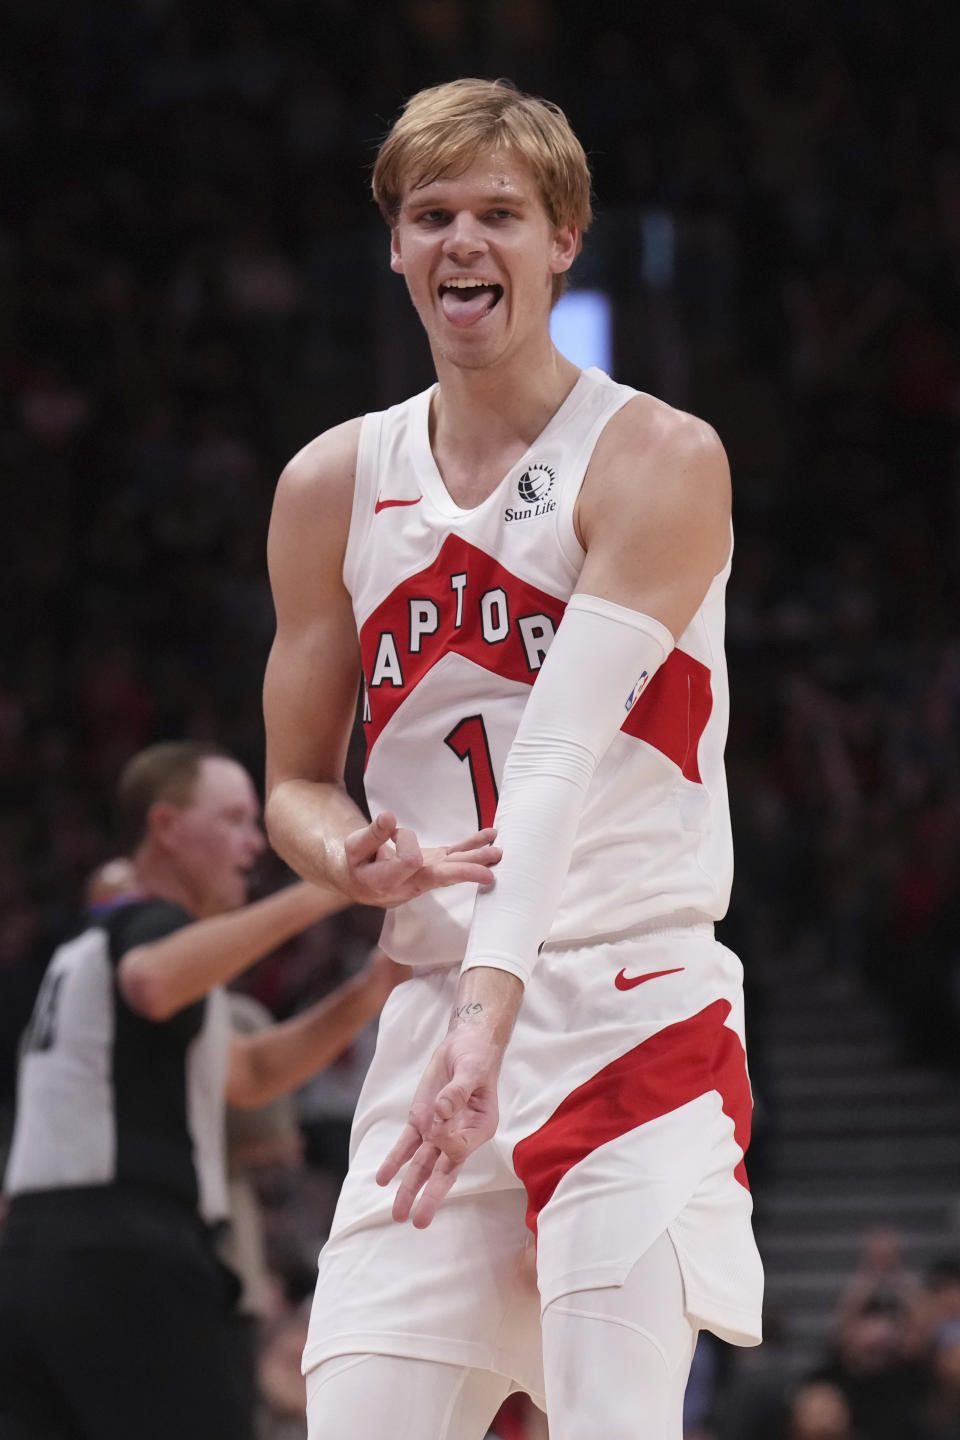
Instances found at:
x=671 y=1068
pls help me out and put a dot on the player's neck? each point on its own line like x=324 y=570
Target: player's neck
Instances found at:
x=483 y=420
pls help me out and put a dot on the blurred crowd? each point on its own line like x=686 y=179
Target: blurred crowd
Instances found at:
x=890 y=1369
x=193 y=283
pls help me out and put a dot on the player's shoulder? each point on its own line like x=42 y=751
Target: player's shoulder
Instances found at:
x=655 y=470
x=648 y=428
x=314 y=495
x=326 y=463
x=650 y=453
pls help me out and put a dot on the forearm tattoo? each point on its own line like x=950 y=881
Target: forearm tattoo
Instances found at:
x=464 y=1012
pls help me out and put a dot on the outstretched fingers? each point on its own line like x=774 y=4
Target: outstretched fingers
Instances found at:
x=470 y=860
x=438 y=1187
x=478 y=841
x=418 y=1173
x=404 y=1150
x=432 y=1164
x=449 y=871
x=429 y=1171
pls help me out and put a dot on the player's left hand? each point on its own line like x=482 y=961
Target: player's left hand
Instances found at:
x=453 y=1112
x=385 y=865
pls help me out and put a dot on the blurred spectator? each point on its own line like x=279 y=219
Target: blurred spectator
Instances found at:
x=881 y=1280
x=871 y=1368
x=109 y=884
x=260 y=1142
x=754 y=1403
x=327 y=1101
x=283 y=1390
x=706 y=1380
x=820 y=1411
x=940 y=1415
x=938 y=1302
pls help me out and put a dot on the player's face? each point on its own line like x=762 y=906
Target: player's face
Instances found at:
x=479 y=254
x=215 y=839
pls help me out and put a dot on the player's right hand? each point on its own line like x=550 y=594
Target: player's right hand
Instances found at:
x=385 y=865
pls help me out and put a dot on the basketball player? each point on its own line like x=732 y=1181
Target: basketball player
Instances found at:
x=115 y=1316
x=526 y=566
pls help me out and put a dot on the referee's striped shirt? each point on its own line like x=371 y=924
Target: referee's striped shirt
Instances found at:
x=110 y=1101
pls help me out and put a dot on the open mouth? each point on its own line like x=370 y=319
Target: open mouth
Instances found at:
x=466 y=301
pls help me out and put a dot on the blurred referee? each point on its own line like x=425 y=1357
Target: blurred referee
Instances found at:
x=115 y=1314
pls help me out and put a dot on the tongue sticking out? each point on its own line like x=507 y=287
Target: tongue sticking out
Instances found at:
x=465 y=307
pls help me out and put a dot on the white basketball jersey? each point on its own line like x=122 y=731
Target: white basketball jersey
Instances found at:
x=456 y=610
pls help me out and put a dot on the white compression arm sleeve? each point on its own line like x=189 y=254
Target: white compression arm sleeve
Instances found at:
x=600 y=661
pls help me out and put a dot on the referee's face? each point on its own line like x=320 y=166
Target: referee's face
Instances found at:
x=218 y=837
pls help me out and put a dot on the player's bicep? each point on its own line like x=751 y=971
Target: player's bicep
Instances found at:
x=657 y=524
x=309 y=700
x=312 y=679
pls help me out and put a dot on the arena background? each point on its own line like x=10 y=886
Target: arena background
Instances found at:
x=193 y=282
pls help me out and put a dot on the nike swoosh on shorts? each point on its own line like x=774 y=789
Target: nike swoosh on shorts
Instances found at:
x=625 y=982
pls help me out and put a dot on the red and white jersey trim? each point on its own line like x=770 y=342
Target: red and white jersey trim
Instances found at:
x=456 y=610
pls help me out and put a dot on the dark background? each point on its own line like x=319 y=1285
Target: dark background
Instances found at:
x=194 y=282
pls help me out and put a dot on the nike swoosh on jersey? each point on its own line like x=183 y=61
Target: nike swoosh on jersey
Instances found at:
x=385 y=504
x=625 y=982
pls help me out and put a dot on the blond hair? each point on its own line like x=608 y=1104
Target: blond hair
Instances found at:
x=441 y=130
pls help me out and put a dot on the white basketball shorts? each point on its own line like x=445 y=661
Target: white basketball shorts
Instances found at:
x=624 y=1113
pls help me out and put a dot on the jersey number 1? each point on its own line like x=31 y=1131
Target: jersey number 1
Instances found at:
x=468 y=741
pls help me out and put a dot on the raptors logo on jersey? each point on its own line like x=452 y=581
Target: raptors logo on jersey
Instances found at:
x=465 y=603
x=456 y=610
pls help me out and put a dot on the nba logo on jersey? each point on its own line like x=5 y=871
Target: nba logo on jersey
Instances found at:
x=637 y=691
